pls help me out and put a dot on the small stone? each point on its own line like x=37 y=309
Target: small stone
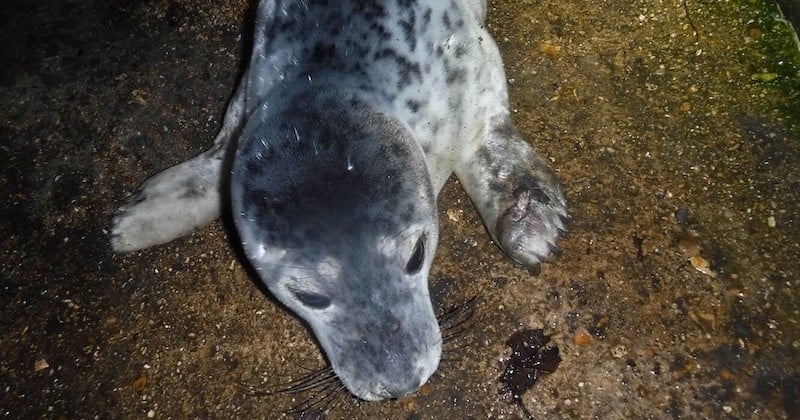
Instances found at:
x=410 y=405
x=582 y=338
x=425 y=389
x=764 y=77
x=619 y=351
x=40 y=365
x=550 y=50
x=707 y=320
x=454 y=215
x=727 y=375
x=151 y=414
x=702 y=265
x=140 y=97
x=682 y=216
x=140 y=383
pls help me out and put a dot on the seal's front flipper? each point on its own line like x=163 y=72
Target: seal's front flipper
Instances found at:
x=170 y=204
x=516 y=192
x=177 y=200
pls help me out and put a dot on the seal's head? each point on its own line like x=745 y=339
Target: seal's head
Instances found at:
x=336 y=211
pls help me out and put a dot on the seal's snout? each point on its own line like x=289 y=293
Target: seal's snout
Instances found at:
x=387 y=358
x=401 y=387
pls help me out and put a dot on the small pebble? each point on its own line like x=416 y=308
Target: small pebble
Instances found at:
x=702 y=265
x=454 y=215
x=726 y=375
x=682 y=216
x=40 y=364
x=582 y=338
x=619 y=351
x=140 y=383
x=550 y=50
x=425 y=389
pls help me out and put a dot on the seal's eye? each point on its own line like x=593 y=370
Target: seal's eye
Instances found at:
x=417 y=257
x=312 y=300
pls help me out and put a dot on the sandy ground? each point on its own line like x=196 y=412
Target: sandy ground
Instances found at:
x=673 y=126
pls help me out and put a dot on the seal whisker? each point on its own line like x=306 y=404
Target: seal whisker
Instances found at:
x=458 y=319
x=448 y=359
x=453 y=349
x=251 y=390
x=390 y=238
x=335 y=398
x=317 y=276
x=312 y=383
x=455 y=322
x=311 y=380
x=458 y=330
x=294 y=267
x=322 y=388
x=320 y=400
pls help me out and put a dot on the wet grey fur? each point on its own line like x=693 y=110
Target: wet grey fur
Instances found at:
x=344 y=128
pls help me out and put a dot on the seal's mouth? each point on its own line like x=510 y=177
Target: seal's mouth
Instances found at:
x=378 y=393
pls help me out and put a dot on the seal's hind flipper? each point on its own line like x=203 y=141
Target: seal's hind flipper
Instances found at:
x=516 y=193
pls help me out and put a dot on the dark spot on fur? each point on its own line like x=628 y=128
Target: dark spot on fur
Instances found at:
x=461 y=50
x=406 y=69
x=377 y=29
x=323 y=52
x=505 y=130
x=499 y=187
x=191 y=190
x=456 y=76
x=426 y=19
x=446 y=23
x=407 y=26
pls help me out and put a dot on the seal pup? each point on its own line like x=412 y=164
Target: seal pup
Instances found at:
x=345 y=126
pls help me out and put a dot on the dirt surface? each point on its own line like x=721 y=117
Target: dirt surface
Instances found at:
x=673 y=126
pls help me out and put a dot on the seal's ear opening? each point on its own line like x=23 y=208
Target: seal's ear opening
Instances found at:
x=417 y=257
